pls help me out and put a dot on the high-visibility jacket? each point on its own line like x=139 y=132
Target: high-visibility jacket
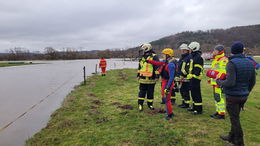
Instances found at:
x=219 y=64
x=102 y=63
x=146 y=71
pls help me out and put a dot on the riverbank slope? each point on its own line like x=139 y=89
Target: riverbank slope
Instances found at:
x=104 y=112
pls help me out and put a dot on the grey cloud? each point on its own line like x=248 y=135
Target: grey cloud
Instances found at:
x=101 y=24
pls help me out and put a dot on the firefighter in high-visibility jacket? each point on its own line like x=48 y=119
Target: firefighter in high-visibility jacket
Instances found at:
x=147 y=76
x=195 y=75
x=103 y=65
x=218 y=64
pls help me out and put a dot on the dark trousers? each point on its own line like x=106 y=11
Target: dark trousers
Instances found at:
x=234 y=108
x=185 y=92
x=146 y=90
x=196 y=94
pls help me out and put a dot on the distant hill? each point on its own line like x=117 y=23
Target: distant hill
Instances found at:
x=250 y=35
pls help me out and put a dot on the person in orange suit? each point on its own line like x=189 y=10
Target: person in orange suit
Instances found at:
x=103 y=65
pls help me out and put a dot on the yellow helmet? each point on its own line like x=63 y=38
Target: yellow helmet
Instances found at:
x=168 y=51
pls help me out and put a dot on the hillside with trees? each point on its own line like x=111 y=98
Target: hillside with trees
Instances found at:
x=250 y=35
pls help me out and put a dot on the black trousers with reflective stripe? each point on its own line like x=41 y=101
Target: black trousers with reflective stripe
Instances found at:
x=185 y=92
x=146 y=90
x=196 y=94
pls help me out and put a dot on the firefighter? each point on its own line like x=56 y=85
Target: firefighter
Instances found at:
x=218 y=64
x=147 y=76
x=103 y=65
x=195 y=76
x=183 y=69
x=237 y=85
x=167 y=70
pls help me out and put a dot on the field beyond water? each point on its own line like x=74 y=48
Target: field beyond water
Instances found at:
x=104 y=112
x=6 y=64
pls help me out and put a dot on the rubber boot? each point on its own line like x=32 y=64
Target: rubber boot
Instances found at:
x=169 y=117
x=150 y=105
x=196 y=112
x=140 y=107
x=184 y=105
x=213 y=115
x=219 y=116
x=173 y=101
x=229 y=138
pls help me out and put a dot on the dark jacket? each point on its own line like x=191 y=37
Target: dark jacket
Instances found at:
x=241 y=77
x=183 y=65
x=198 y=62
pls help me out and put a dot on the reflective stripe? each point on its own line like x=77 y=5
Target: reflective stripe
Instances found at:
x=199 y=66
x=149 y=100
x=147 y=81
x=183 y=68
x=191 y=66
x=197 y=103
x=157 y=72
x=197 y=77
x=187 y=101
x=141 y=98
x=173 y=97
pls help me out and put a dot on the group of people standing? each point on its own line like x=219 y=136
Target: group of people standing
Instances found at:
x=185 y=74
x=233 y=76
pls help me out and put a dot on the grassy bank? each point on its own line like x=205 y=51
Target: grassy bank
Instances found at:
x=104 y=112
x=6 y=64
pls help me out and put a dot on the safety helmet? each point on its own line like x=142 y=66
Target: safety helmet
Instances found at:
x=184 y=47
x=146 y=47
x=220 y=48
x=194 y=46
x=168 y=51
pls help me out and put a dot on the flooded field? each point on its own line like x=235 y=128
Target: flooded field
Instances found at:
x=29 y=94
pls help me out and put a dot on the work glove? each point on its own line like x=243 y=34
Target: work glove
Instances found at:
x=167 y=91
x=176 y=79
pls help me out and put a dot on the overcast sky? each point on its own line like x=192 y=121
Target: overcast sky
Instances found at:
x=102 y=24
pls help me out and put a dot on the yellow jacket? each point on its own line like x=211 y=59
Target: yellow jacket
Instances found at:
x=219 y=64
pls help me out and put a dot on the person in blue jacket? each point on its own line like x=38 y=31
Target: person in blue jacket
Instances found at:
x=167 y=71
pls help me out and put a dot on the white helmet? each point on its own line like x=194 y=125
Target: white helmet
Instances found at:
x=146 y=47
x=184 y=47
x=194 y=46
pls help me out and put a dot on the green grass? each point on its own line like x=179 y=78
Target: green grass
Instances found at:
x=81 y=122
x=6 y=64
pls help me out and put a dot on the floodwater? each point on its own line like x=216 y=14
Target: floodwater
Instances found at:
x=29 y=94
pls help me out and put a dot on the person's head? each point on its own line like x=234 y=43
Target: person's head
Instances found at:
x=184 y=48
x=146 y=48
x=168 y=53
x=194 y=46
x=218 y=49
x=237 y=48
x=102 y=57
